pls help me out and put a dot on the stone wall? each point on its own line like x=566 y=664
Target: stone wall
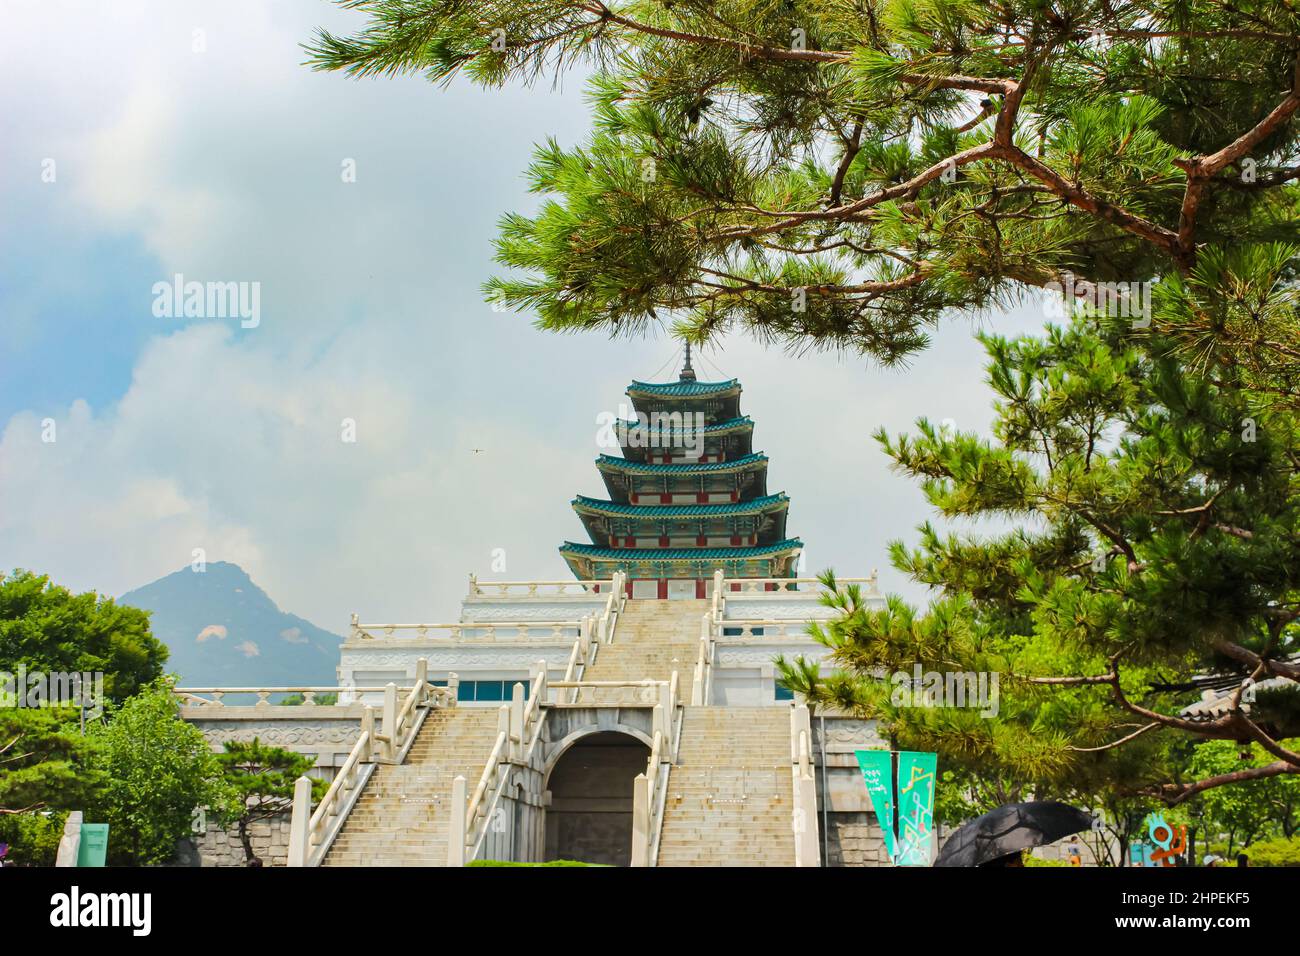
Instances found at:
x=854 y=839
x=270 y=839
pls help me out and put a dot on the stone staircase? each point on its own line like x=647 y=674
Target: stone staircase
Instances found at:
x=653 y=638
x=730 y=792
x=402 y=816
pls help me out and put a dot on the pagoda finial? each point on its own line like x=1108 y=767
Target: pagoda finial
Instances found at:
x=688 y=373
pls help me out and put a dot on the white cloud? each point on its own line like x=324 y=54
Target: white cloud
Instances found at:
x=293 y=635
x=225 y=166
x=212 y=630
x=248 y=649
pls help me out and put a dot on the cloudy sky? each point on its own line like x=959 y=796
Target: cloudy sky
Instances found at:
x=145 y=139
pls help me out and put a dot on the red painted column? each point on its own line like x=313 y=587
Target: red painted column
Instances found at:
x=663 y=589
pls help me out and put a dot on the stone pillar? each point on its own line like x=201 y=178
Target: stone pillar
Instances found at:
x=300 y=823
x=368 y=731
x=390 y=722
x=70 y=844
x=641 y=820
x=456 y=826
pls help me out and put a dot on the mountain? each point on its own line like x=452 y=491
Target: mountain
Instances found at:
x=224 y=631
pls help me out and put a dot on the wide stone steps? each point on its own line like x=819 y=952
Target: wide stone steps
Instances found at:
x=402 y=816
x=730 y=792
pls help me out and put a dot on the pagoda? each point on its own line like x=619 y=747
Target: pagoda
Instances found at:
x=688 y=497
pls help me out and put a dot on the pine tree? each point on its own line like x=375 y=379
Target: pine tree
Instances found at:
x=261 y=780
x=841 y=172
x=1153 y=548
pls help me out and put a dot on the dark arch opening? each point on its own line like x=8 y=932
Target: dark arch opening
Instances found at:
x=590 y=816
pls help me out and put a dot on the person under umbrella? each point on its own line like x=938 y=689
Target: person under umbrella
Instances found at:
x=999 y=837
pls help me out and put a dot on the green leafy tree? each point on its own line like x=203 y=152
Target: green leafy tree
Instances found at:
x=261 y=781
x=160 y=770
x=48 y=628
x=321 y=700
x=45 y=763
x=1254 y=808
x=46 y=768
x=840 y=172
x=1152 y=543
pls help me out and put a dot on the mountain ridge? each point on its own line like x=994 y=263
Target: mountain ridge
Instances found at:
x=222 y=629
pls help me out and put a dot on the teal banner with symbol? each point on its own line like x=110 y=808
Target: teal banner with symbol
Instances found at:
x=915 y=807
x=911 y=787
x=878 y=772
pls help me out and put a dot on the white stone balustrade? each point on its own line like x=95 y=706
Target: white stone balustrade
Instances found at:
x=479 y=588
x=310 y=832
x=463 y=631
x=748 y=586
x=215 y=696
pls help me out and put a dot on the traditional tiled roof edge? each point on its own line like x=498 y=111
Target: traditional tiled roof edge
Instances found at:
x=611 y=463
x=680 y=554
x=683 y=389
x=743 y=423
x=584 y=505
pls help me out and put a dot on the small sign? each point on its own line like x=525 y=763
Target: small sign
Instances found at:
x=93 y=850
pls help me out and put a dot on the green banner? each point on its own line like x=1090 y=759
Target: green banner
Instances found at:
x=878 y=772
x=915 y=807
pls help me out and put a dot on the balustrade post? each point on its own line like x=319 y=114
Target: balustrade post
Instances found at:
x=422 y=678
x=368 y=731
x=456 y=827
x=539 y=685
x=641 y=820
x=516 y=738
x=300 y=823
x=390 y=722
x=453 y=689
x=658 y=718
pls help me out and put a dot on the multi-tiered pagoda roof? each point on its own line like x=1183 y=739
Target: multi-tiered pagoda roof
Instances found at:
x=688 y=496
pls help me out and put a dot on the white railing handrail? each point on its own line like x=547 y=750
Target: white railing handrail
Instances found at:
x=487 y=794
x=307 y=826
x=192 y=694
x=629 y=682
x=759 y=585
x=341 y=780
x=465 y=625
x=531 y=588
x=490 y=770
x=710 y=630
x=779 y=629
x=488 y=631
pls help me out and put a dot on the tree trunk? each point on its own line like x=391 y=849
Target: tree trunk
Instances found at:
x=245 y=839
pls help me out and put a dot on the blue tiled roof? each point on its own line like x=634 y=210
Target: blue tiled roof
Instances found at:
x=743 y=422
x=682 y=389
x=609 y=462
x=681 y=511
x=679 y=554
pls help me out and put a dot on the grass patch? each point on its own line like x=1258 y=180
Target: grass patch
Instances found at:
x=551 y=863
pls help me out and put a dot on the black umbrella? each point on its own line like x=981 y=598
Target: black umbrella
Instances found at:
x=1010 y=829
